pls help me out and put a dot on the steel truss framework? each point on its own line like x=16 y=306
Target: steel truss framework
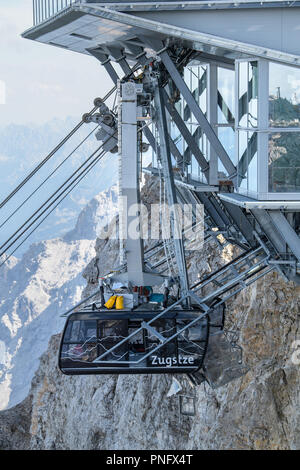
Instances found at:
x=222 y=214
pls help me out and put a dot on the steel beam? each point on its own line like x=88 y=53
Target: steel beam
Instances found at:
x=271 y=231
x=287 y=232
x=241 y=222
x=165 y=156
x=120 y=58
x=186 y=135
x=105 y=61
x=219 y=217
x=212 y=114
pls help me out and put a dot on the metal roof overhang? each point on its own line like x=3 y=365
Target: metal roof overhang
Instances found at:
x=89 y=25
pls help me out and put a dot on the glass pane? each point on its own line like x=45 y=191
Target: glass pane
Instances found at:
x=284 y=162
x=83 y=353
x=225 y=95
x=194 y=169
x=248 y=94
x=252 y=94
x=243 y=100
x=227 y=137
x=196 y=79
x=284 y=96
x=110 y=333
x=202 y=88
x=252 y=161
x=187 y=76
x=243 y=160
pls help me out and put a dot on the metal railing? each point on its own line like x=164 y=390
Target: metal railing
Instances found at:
x=44 y=9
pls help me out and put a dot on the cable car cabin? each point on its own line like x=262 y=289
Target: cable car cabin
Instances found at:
x=105 y=342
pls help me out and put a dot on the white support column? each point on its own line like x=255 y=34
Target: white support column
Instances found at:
x=131 y=242
x=129 y=182
x=236 y=120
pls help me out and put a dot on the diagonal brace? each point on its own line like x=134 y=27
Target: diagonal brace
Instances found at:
x=168 y=174
x=105 y=61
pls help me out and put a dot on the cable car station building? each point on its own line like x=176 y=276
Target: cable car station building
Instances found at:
x=223 y=80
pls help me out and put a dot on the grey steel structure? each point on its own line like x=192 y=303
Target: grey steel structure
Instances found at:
x=223 y=83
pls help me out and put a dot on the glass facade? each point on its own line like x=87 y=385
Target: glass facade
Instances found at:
x=284 y=143
x=247 y=109
x=264 y=139
x=196 y=79
x=268 y=130
x=225 y=131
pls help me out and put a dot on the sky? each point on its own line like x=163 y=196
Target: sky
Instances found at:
x=39 y=82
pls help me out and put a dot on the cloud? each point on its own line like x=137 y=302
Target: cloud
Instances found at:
x=64 y=215
x=294 y=82
x=48 y=87
x=82 y=201
x=2 y=92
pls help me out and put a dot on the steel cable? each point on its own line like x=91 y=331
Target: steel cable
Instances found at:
x=87 y=170
x=46 y=179
x=43 y=205
x=53 y=152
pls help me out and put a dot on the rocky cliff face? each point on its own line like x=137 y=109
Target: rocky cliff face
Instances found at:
x=258 y=411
